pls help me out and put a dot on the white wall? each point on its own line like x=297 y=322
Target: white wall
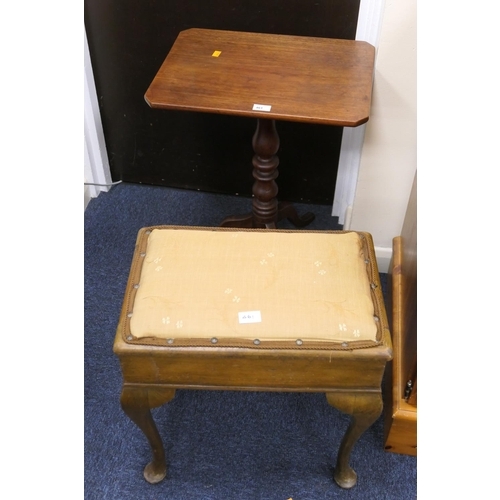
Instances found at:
x=389 y=155
x=95 y=161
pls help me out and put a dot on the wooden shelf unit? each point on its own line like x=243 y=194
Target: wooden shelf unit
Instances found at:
x=400 y=426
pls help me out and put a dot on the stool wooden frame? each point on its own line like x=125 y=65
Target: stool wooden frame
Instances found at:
x=350 y=378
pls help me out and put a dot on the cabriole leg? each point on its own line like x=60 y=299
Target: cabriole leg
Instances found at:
x=364 y=409
x=137 y=402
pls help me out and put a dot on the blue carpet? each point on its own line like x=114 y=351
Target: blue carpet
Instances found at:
x=219 y=444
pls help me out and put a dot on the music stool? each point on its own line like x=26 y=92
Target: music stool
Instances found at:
x=255 y=310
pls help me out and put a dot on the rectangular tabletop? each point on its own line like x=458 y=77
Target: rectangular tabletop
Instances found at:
x=294 y=78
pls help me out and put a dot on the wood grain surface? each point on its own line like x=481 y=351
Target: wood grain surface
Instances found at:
x=296 y=78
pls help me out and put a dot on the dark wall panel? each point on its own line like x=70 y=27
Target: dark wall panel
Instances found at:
x=128 y=41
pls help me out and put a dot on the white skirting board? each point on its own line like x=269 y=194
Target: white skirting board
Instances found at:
x=86 y=196
x=383 y=258
x=383 y=254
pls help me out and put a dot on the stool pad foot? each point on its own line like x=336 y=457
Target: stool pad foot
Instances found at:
x=155 y=472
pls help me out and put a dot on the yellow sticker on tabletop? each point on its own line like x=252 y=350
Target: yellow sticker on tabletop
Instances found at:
x=216 y=53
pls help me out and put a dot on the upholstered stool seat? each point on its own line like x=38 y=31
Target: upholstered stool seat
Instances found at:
x=266 y=310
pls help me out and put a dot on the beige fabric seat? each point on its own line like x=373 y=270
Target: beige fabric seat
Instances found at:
x=253 y=288
x=260 y=310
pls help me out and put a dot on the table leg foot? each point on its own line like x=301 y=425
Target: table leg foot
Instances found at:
x=244 y=221
x=287 y=211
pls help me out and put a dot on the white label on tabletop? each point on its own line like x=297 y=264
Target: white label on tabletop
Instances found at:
x=261 y=107
x=249 y=317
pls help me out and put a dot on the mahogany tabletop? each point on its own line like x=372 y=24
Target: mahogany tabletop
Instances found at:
x=282 y=77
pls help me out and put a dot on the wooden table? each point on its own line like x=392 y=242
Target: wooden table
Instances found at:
x=267 y=77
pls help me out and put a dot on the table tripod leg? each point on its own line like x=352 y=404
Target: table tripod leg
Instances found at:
x=245 y=221
x=287 y=211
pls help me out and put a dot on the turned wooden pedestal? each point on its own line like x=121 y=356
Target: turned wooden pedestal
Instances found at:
x=267 y=77
x=345 y=358
x=266 y=210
